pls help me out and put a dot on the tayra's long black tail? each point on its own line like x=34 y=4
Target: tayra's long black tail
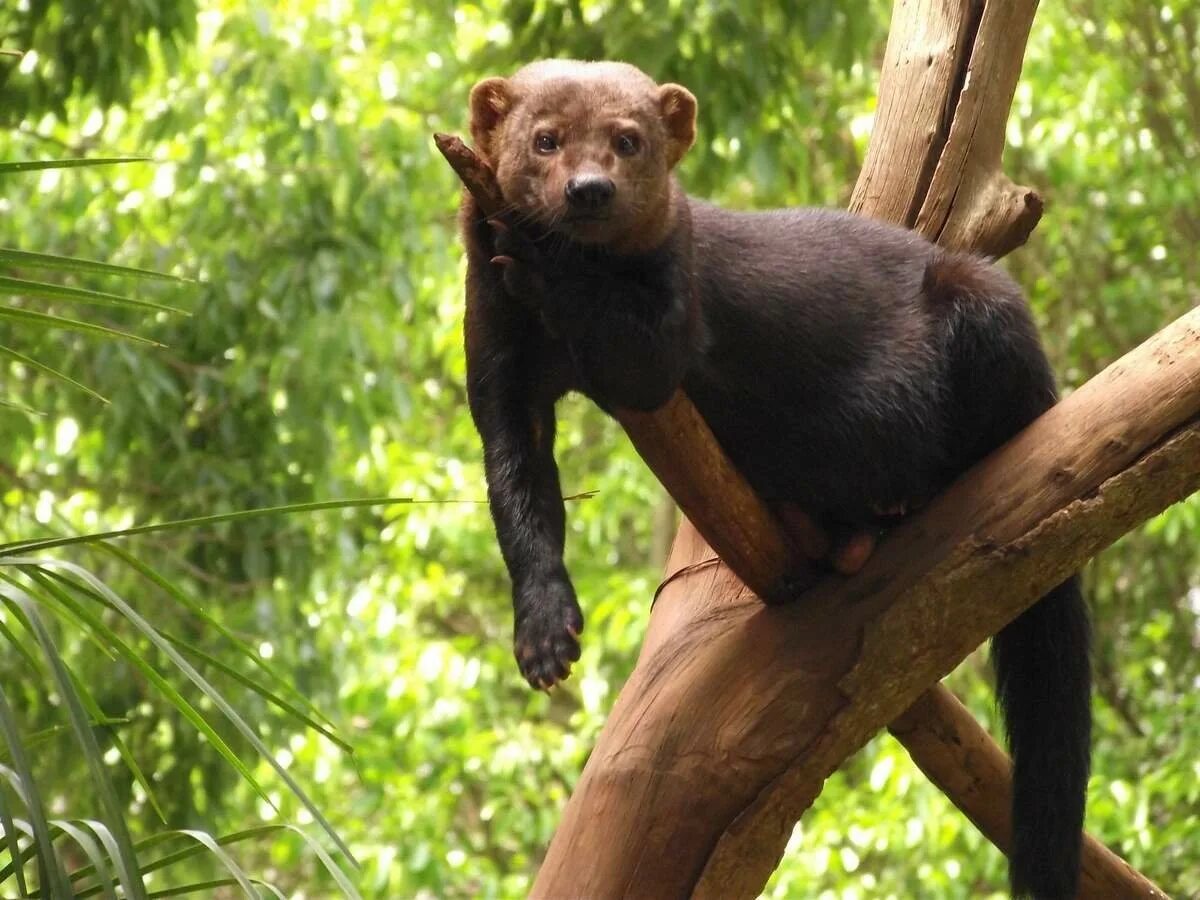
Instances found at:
x=1000 y=381
x=1044 y=684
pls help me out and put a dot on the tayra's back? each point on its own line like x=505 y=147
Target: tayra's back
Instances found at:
x=823 y=362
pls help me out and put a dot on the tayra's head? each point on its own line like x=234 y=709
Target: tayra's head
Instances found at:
x=585 y=149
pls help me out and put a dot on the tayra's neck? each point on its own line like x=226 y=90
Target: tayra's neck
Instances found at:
x=662 y=218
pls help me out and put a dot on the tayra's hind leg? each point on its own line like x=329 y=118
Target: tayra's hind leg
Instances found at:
x=837 y=546
x=851 y=545
x=851 y=553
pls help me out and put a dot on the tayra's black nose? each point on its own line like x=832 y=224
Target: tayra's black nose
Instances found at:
x=590 y=192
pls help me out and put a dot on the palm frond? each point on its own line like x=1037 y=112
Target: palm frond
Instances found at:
x=30 y=260
x=23 y=287
x=33 y=165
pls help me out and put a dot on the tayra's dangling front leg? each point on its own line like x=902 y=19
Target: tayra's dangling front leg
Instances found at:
x=515 y=372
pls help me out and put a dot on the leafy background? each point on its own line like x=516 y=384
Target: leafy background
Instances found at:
x=293 y=179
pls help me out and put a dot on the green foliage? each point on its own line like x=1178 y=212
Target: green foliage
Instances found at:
x=34 y=587
x=80 y=48
x=296 y=182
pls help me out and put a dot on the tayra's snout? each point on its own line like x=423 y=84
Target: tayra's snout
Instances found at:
x=590 y=193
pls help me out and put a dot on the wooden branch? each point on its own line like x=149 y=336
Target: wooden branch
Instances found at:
x=677 y=444
x=476 y=175
x=961 y=759
x=933 y=164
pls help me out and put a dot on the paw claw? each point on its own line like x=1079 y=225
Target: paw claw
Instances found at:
x=502 y=260
x=548 y=626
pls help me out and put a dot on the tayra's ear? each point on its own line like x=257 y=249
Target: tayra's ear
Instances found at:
x=491 y=101
x=678 y=108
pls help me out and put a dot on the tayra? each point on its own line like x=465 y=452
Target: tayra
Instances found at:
x=846 y=366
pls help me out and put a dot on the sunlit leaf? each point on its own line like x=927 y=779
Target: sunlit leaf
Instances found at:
x=31 y=260
x=37 y=164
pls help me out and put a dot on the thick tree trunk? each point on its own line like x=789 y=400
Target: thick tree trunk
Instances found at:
x=736 y=713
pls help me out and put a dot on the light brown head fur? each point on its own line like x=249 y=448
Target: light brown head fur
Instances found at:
x=559 y=120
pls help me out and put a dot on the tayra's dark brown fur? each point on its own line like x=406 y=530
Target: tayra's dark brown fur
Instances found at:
x=846 y=366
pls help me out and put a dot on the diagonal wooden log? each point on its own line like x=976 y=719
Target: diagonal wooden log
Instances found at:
x=948 y=80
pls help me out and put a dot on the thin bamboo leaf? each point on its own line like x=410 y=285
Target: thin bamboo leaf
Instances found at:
x=30 y=849
x=35 y=739
x=20 y=407
x=17 y=644
x=44 y=320
x=103 y=832
x=13 y=840
x=33 y=165
x=200 y=521
x=122 y=750
x=214 y=695
x=64 y=609
x=91 y=850
x=252 y=685
x=93 y=708
x=126 y=861
x=50 y=867
x=207 y=886
x=193 y=850
x=190 y=851
x=23 y=287
x=47 y=370
x=153 y=675
x=30 y=260
x=326 y=860
x=206 y=839
x=184 y=599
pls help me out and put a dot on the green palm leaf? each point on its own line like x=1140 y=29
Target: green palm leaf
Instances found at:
x=37 y=546
x=126 y=860
x=23 y=287
x=50 y=867
x=29 y=260
x=44 y=320
x=34 y=165
x=48 y=370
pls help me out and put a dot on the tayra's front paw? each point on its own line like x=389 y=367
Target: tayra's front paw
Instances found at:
x=547 y=634
x=519 y=260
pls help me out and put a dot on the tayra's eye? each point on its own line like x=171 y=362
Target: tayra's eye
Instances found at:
x=628 y=144
x=545 y=143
